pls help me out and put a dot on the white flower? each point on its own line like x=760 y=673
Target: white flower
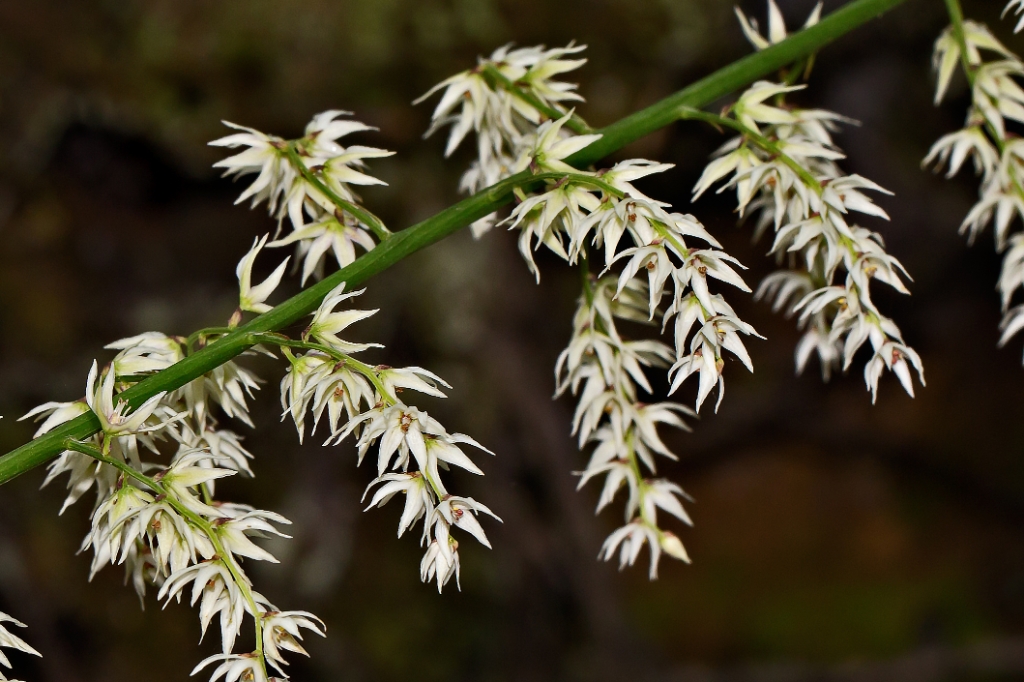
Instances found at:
x=462 y=512
x=629 y=540
x=117 y=420
x=263 y=156
x=946 y=55
x=955 y=148
x=148 y=352
x=327 y=323
x=189 y=471
x=418 y=498
x=750 y=108
x=441 y=561
x=214 y=585
x=329 y=234
x=251 y=298
x=776 y=25
x=56 y=414
x=234 y=668
x=546 y=149
x=11 y=641
x=282 y=632
x=234 y=533
x=296 y=386
x=397 y=379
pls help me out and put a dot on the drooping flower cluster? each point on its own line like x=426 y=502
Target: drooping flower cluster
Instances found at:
x=159 y=519
x=995 y=152
x=412 y=447
x=606 y=371
x=9 y=640
x=576 y=211
x=496 y=101
x=304 y=180
x=783 y=166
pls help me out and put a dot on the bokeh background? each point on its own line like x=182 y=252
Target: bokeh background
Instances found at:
x=834 y=540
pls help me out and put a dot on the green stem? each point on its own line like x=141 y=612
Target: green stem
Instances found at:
x=497 y=78
x=737 y=75
x=202 y=333
x=196 y=520
x=364 y=216
x=452 y=219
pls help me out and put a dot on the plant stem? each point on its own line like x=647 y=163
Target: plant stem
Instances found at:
x=731 y=78
x=364 y=216
x=702 y=93
x=196 y=520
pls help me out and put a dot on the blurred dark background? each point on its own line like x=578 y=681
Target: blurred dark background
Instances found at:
x=835 y=540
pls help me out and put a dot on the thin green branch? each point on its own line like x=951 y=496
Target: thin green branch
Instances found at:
x=727 y=80
x=364 y=216
x=404 y=243
x=498 y=79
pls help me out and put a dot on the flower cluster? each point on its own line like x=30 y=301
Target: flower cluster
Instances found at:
x=309 y=181
x=783 y=166
x=498 y=100
x=574 y=212
x=10 y=640
x=412 y=447
x=606 y=370
x=996 y=153
x=160 y=520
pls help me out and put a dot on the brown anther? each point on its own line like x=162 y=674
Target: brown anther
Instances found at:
x=457 y=513
x=339 y=392
x=651 y=264
x=703 y=269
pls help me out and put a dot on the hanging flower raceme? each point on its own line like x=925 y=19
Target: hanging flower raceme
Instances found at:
x=784 y=166
x=996 y=154
x=412 y=448
x=310 y=181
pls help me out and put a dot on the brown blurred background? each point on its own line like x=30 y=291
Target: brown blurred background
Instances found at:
x=835 y=540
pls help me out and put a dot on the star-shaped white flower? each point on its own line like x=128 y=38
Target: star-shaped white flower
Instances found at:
x=251 y=298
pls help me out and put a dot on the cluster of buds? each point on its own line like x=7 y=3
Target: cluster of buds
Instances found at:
x=309 y=181
x=412 y=447
x=9 y=640
x=996 y=153
x=573 y=213
x=783 y=165
x=502 y=100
